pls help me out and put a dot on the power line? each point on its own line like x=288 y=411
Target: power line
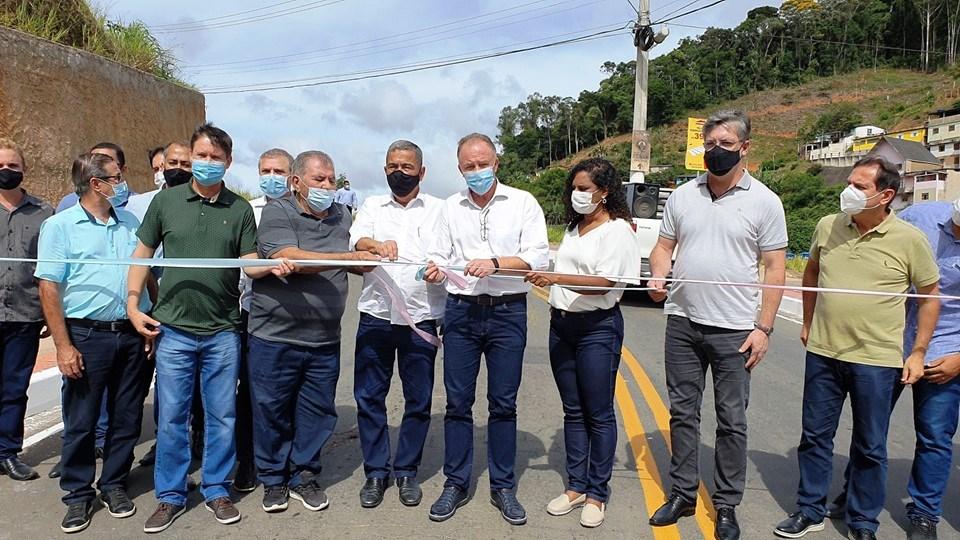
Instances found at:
x=283 y=85
x=405 y=34
x=260 y=18
x=691 y=12
x=426 y=39
x=204 y=21
x=421 y=63
x=685 y=6
x=635 y=8
x=665 y=6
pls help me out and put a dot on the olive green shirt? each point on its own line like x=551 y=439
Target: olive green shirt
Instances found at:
x=893 y=257
x=201 y=301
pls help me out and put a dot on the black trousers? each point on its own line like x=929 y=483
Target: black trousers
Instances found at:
x=115 y=364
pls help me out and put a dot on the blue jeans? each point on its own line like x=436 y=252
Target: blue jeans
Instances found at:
x=19 y=343
x=827 y=382
x=378 y=343
x=499 y=333
x=116 y=366
x=180 y=356
x=293 y=391
x=585 y=356
x=935 y=413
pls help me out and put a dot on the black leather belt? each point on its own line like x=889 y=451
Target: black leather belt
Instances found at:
x=593 y=314
x=487 y=300
x=122 y=325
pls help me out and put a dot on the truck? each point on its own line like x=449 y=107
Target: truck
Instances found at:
x=646 y=202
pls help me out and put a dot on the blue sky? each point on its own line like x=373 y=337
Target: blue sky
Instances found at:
x=355 y=121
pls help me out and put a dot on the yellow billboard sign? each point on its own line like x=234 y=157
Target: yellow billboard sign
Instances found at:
x=694 y=158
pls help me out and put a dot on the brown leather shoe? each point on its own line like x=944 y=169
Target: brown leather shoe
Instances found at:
x=224 y=510
x=163 y=517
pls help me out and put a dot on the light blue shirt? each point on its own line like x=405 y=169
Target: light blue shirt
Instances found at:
x=347 y=197
x=935 y=220
x=89 y=291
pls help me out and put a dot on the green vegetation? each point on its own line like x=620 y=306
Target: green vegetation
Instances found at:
x=796 y=265
x=555 y=233
x=76 y=24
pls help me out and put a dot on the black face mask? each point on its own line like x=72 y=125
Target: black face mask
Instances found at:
x=402 y=184
x=721 y=161
x=10 y=179
x=176 y=177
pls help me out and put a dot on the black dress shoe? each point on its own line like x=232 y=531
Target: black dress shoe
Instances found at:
x=410 y=492
x=371 y=495
x=727 y=527
x=17 y=470
x=862 y=534
x=922 y=528
x=56 y=471
x=796 y=525
x=446 y=506
x=675 y=508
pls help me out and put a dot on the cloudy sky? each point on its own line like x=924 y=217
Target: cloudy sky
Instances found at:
x=239 y=43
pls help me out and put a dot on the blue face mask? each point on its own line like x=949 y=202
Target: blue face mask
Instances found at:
x=273 y=185
x=480 y=181
x=208 y=173
x=120 y=195
x=320 y=199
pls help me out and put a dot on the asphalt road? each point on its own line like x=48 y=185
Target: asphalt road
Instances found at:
x=34 y=510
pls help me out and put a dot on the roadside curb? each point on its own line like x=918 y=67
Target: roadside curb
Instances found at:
x=791 y=309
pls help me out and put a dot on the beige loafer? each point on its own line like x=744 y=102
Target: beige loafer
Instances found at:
x=562 y=505
x=592 y=515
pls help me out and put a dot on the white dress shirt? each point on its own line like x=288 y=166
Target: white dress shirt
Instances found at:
x=411 y=227
x=511 y=225
x=611 y=249
x=246 y=284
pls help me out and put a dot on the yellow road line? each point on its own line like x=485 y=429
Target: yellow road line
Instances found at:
x=662 y=418
x=650 y=481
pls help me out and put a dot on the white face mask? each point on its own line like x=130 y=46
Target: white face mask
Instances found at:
x=158 y=178
x=583 y=202
x=853 y=201
x=956 y=212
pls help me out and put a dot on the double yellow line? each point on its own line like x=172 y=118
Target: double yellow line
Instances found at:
x=650 y=481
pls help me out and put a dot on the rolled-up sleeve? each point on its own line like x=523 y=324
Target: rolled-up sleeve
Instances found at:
x=534 y=246
x=275 y=231
x=363 y=224
x=51 y=245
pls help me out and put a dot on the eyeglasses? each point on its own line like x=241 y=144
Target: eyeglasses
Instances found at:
x=726 y=145
x=115 y=179
x=483 y=224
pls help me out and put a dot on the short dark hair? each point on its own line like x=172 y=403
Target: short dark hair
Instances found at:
x=152 y=153
x=605 y=176
x=88 y=166
x=217 y=136
x=888 y=176
x=121 y=160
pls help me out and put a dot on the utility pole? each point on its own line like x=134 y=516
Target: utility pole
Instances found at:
x=640 y=140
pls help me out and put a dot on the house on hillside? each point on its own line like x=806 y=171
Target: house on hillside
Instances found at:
x=908 y=156
x=943 y=136
x=836 y=149
x=940 y=185
x=863 y=145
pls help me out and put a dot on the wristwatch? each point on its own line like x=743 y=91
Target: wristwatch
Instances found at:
x=768 y=330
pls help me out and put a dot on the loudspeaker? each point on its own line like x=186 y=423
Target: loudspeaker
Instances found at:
x=643 y=200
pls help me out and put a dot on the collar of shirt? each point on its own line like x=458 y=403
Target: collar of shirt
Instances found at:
x=392 y=201
x=223 y=197
x=744 y=183
x=882 y=228
x=27 y=199
x=502 y=192
x=82 y=216
x=947 y=227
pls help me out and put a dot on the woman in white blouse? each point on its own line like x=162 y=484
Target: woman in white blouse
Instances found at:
x=586 y=330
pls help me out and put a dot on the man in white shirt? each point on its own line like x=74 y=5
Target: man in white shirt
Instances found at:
x=396 y=226
x=274 y=166
x=483 y=229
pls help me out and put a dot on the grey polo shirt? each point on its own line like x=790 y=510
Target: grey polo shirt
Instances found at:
x=300 y=309
x=721 y=240
x=20 y=229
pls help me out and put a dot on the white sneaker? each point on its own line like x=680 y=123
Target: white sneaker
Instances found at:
x=592 y=515
x=562 y=505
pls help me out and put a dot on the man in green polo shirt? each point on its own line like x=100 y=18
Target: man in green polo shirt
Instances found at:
x=855 y=343
x=196 y=323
